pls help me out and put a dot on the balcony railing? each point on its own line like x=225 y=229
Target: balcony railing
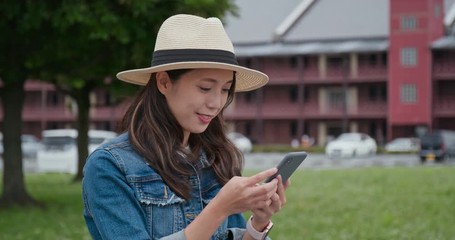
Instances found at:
x=241 y=111
x=444 y=69
x=282 y=75
x=369 y=72
x=444 y=107
x=372 y=109
x=281 y=111
x=310 y=110
x=51 y=113
x=332 y=75
x=36 y=85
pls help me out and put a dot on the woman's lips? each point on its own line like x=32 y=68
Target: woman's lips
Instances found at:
x=205 y=118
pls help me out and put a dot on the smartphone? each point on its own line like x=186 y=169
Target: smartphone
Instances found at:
x=288 y=165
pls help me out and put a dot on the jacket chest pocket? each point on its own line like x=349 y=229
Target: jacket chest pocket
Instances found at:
x=162 y=206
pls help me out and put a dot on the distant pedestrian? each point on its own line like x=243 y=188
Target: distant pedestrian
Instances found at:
x=295 y=143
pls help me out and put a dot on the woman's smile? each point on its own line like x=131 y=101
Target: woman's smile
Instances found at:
x=205 y=119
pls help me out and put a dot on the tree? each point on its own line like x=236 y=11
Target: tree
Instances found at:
x=75 y=45
x=20 y=36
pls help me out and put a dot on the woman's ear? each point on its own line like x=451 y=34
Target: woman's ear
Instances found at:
x=163 y=82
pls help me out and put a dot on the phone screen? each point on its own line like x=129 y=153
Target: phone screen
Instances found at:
x=288 y=165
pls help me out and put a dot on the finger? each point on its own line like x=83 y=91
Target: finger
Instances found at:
x=287 y=184
x=251 y=181
x=262 y=192
x=276 y=203
x=280 y=190
x=264 y=205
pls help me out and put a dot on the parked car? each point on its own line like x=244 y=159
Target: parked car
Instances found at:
x=351 y=145
x=30 y=145
x=240 y=141
x=59 y=153
x=438 y=145
x=403 y=145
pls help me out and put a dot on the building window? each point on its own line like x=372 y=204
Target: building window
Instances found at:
x=336 y=98
x=377 y=93
x=293 y=93
x=53 y=99
x=306 y=94
x=107 y=99
x=408 y=93
x=247 y=63
x=293 y=128
x=408 y=56
x=248 y=129
x=306 y=60
x=293 y=62
x=408 y=23
x=249 y=96
x=335 y=62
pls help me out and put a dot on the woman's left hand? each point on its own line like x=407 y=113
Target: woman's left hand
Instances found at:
x=262 y=216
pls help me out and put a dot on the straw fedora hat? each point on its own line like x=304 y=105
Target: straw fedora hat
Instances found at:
x=186 y=42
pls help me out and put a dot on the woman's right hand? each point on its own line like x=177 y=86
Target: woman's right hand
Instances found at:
x=241 y=194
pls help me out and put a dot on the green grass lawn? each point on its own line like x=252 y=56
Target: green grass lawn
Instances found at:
x=368 y=203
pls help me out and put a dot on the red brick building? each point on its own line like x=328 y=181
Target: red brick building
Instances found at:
x=382 y=67
x=385 y=68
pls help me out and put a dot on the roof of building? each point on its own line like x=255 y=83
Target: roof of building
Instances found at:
x=257 y=20
x=447 y=42
x=270 y=27
x=342 y=19
x=260 y=21
x=449 y=15
x=307 y=48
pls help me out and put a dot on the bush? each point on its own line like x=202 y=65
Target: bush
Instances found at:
x=286 y=148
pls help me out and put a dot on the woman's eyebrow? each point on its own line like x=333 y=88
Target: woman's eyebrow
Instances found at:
x=215 y=80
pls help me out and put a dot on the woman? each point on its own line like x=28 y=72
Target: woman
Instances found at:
x=173 y=174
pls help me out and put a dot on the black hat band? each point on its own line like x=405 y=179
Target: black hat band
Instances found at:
x=162 y=57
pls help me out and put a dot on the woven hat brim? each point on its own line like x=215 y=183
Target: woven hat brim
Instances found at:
x=246 y=79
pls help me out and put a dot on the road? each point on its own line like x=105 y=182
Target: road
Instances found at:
x=261 y=161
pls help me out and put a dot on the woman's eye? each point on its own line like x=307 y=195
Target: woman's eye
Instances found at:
x=204 y=89
x=226 y=90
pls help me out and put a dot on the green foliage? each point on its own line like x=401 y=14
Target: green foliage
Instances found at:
x=283 y=148
x=73 y=42
x=369 y=203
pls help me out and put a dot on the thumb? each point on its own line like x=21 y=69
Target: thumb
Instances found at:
x=259 y=177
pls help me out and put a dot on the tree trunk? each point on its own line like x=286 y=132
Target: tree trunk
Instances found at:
x=83 y=120
x=14 y=191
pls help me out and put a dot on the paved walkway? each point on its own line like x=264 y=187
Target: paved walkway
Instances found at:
x=261 y=161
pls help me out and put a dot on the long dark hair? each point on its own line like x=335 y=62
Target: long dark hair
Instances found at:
x=156 y=135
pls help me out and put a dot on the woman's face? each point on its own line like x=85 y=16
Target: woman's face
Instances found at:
x=196 y=97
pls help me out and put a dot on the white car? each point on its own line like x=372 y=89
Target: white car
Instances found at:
x=59 y=153
x=240 y=141
x=31 y=145
x=403 y=145
x=351 y=145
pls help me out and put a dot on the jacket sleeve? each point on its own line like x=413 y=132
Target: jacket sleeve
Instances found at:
x=237 y=226
x=110 y=202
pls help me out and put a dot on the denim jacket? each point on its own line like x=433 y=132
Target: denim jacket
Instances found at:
x=124 y=198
